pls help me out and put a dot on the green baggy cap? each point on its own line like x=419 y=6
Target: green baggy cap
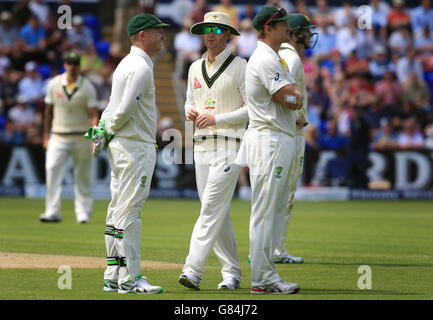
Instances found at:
x=144 y=21
x=268 y=14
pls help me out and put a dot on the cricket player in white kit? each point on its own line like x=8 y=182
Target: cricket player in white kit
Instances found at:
x=71 y=106
x=216 y=103
x=269 y=147
x=128 y=130
x=300 y=38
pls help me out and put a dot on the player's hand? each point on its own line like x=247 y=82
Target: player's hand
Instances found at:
x=205 y=120
x=300 y=122
x=99 y=136
x=191 y=114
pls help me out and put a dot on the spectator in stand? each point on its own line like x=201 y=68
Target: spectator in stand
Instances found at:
x=91 y=64
x=286 y=4
x=344 y=15
x=398 y=17
x=103 y=89
x=301 y=7
x=4 y=61
x=327 y=41
x=399 y=40
x=354 y=64
x=33 y=34
x=416 y=95
x=331 y=139
x=227 y=7
x=380 y=64
x=188 y=48
x=8 y=31
x=21 y=13
x=198 y=11
x=41 y=10
x=247 y=41
x=424 y=48
x=22 y=119
x=248 y=13
x=9 y=88
x=360 y=137
x=421 y=16
x=334 y=63
x=349 y=38
x=30 y=86
x=385 y=137
x=389 y=91
x=429 y=136
x=408 y=64
x=322 y=11
x=379 y=17
x=411 y=137
x=80 y=36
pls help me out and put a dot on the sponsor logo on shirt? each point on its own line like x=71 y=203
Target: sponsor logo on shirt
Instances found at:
x=227 y=169
x=277 y=77
x=197 y=84
x=138 y=97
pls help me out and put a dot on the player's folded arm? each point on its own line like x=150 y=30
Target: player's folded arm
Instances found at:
x=289 y=96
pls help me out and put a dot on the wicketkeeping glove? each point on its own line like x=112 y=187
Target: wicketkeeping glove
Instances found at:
x=99 y=136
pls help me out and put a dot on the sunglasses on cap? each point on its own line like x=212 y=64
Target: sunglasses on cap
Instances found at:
x=216 y=30
x=281 y=12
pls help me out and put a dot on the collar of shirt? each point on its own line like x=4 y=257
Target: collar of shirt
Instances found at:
x=143 y=54
x=219 y=59
x=286 y=45
x=263 y=46
x=77 y=82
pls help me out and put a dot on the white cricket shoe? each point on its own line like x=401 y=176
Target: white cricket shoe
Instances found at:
x=229 y=284
x=140 y=286
x=280 y=287
x=190 y=280
x=288 y=258
x=110 y=286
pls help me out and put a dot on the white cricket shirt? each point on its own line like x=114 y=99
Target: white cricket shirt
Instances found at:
x=131 y=112
x=264 y=76
x=222 y=95
x=294 y=65
x=70 y=107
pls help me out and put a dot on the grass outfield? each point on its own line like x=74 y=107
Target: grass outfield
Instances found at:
x=394 y=238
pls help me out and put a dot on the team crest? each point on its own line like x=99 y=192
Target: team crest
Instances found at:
x=278 y=171
x=210 y=104
x=143 y=181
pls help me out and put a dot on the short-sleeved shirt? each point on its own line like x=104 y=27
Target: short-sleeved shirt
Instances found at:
x=70 y=107
x=294 y=65
x=264 y=76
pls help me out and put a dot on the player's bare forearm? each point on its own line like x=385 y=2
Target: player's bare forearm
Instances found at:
x=48 y=120
x=94 y=116
x=289 y=96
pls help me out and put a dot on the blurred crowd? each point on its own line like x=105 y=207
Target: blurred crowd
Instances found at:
x=32 y=46
x=369 y=78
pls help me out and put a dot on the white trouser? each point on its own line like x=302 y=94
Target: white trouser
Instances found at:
x=132 y=164
x=58 y=152
x=296 y=175
x=270 y=157
x=216 y=177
